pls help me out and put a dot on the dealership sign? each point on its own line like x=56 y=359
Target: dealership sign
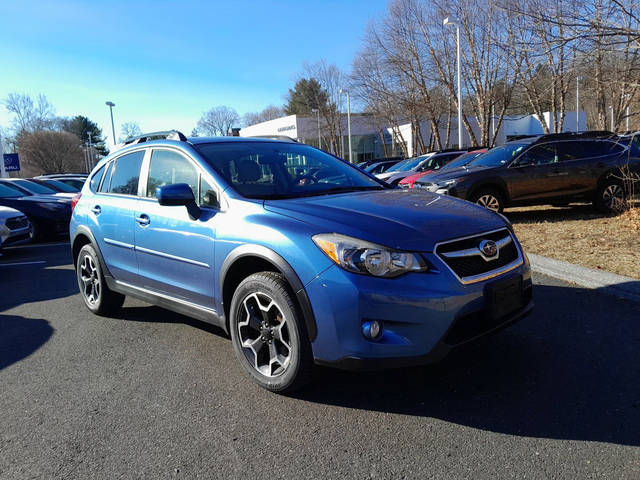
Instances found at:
x=11 y=162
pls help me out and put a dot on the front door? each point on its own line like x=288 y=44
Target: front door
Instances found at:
x=536 y=174
x=175 y=252
x=113 y=209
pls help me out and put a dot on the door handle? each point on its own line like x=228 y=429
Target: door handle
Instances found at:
x=143 y=220
x=97 y=210
x=559 y=173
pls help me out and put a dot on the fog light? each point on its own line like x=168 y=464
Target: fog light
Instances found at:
x=372 y=329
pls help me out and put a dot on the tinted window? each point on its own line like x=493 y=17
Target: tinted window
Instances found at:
x=406 y=165
x=63 y=187
x=601 y=148
x=9 y=192
x=94 y=183
x=126 y=173
x=283 y=170
x=568 y=151
x=35 y=187
x=540 y=155
x=168 y=167
x=107 y=178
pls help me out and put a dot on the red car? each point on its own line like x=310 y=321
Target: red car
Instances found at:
x=461 y=160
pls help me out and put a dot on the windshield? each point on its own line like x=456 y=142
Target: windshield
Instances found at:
x=34 y=187
x=9 y=192
x=462 y=160
x=266 y=170
x=499 y=155
x=406 y=165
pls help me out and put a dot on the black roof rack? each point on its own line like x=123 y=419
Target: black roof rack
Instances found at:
x=575 y=135
x=166 y=135
x=282 y=138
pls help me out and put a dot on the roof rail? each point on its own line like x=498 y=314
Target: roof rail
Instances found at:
x=282 y=138
x=145 y=137
x=575 y=135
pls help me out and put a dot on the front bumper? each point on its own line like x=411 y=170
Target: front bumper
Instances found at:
x=424 y=316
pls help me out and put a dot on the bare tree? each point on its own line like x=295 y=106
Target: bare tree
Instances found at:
x=269 y=113
x=29 y=115
x=46 y=152
x=218 y=121
x=129 y=129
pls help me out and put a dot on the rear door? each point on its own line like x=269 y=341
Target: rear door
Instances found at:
x=112 y=210
x=175 y=252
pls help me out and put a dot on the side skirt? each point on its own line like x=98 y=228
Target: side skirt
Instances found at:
x=170 y=303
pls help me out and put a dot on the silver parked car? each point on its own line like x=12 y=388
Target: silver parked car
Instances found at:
x=14 y=227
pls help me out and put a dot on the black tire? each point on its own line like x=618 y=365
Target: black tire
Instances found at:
x=256 y=337
x=36 y=233
x=488 y=196
x=610 y=196
x=93 y=288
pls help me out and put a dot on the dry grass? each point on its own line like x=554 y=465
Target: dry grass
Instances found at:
x=578 y=234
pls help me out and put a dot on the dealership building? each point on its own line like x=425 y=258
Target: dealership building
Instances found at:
x=369 y=140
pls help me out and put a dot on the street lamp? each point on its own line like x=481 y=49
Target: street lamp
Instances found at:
x=317 y=111
x=449 y=23
x=611 y=110
x=113 y=129
x=348 y=119
x=578 y=103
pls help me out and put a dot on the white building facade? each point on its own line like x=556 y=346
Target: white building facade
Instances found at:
x=369 y=141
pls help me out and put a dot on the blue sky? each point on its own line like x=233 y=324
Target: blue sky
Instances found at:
x=163 y=63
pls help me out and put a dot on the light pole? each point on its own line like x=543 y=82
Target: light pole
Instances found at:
x=113 y=129
x=611 y=110
x=447 y=22
x=578 y=103
x=317 y=112
x=348 y=119
x=3 y=171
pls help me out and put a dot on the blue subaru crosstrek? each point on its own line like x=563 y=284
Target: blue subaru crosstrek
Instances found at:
x=301 y=257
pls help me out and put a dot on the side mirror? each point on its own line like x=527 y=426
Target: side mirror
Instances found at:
x=178 y=194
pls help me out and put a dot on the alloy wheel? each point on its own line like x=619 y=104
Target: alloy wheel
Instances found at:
x=613 y=196
x=264 y=335
x=489 y=201
x=90 y=279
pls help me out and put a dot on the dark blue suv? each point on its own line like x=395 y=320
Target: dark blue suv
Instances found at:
x=299 y=256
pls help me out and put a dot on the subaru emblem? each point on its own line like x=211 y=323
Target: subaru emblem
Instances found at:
x=488 y=248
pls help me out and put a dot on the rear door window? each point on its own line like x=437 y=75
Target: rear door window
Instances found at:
x=126 y=174
x=568 y=151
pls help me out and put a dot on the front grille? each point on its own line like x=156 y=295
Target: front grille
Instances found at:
x=16 y=223
x=469 y=264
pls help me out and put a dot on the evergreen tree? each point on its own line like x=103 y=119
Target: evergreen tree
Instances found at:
x=82 y=127
x=306 y=95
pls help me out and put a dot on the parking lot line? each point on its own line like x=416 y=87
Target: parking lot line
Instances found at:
x=15 y=264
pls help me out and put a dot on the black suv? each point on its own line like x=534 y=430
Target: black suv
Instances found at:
x=548 y=169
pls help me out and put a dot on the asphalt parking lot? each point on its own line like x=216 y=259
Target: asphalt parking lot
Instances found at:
x=152 y=394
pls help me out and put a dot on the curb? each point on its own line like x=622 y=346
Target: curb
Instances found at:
x=609 y=283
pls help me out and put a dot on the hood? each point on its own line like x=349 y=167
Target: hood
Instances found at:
x=396 y=218
x=456 y=173
x=6 y=212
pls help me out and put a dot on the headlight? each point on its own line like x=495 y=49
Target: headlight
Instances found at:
x=359 y=256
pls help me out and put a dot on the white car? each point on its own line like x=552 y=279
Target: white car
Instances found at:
x=14 y=227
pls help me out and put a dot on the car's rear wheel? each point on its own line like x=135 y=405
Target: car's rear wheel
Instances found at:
x=611 y=197
x=93 y=288
x=490 y=199
x=269 y=334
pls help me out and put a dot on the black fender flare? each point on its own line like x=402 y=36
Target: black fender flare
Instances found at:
x=84 y=230
x=253 y=250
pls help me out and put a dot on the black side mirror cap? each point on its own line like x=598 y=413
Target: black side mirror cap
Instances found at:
x=178 y=194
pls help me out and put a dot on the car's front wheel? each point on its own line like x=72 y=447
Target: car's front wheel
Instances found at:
x=490 y=199
x=269 y=334
x=93 y=288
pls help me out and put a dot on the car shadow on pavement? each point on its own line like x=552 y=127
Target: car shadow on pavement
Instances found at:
x=571 y=371
x=20 y=337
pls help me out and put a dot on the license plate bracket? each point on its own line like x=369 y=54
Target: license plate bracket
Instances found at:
x=504 y=297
